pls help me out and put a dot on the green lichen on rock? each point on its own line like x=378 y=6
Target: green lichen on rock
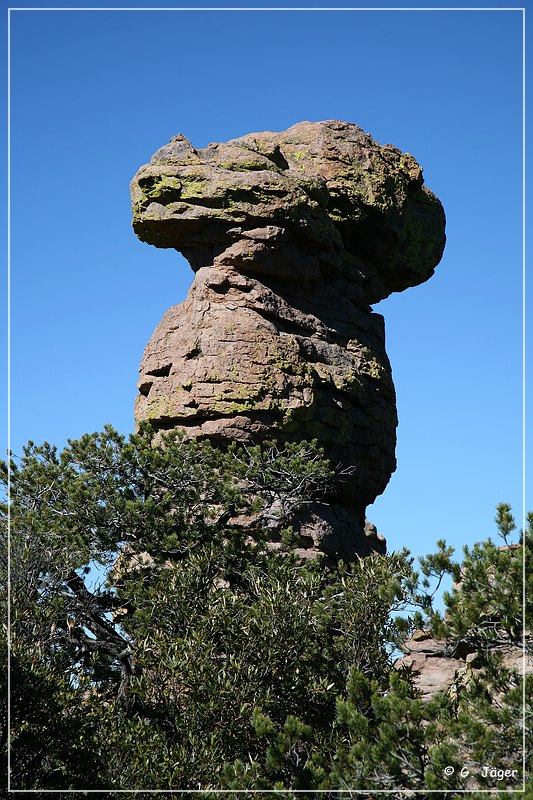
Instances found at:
x=329 y=184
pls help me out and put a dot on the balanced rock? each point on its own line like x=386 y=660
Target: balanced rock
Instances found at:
x=292 y=236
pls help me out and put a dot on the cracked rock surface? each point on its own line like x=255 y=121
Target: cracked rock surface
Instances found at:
x=292 y=236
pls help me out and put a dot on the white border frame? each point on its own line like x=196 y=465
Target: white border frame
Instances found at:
x=340 y=792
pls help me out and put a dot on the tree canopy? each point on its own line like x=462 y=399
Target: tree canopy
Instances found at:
x=165 y=634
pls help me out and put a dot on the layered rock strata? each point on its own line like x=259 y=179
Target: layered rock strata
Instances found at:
x=292 y=236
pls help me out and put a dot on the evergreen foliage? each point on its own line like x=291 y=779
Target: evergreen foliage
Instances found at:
x=159 y=642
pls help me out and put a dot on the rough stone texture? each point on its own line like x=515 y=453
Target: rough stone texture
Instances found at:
x=436 y=669
x=291 y=235
x=433 y=671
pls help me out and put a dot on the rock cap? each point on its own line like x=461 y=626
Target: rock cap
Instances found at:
x=357 y=209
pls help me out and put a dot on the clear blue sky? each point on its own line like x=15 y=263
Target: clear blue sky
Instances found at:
x=95 y=93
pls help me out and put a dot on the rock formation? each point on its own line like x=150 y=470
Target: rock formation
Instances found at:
x=292 y=236
x=439 y=665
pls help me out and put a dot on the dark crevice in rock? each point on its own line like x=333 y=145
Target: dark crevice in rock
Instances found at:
x=196 y=352
x=277 y=158
x=285 y=325
x=144 y=388
x=160 y=372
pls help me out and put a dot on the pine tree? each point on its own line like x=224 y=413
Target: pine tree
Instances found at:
x=158 y=642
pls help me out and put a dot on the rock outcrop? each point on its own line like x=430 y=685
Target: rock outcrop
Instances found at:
x=440 y=665
x=292 y=236
x=437 y=667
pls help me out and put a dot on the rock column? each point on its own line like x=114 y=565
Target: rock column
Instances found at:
x=292 y=236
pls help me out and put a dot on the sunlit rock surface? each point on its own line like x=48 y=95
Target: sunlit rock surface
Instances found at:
x=292 y=236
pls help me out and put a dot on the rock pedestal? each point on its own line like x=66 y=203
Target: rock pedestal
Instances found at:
x=292 y=236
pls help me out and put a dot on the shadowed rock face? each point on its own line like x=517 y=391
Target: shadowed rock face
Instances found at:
x=291 y=235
